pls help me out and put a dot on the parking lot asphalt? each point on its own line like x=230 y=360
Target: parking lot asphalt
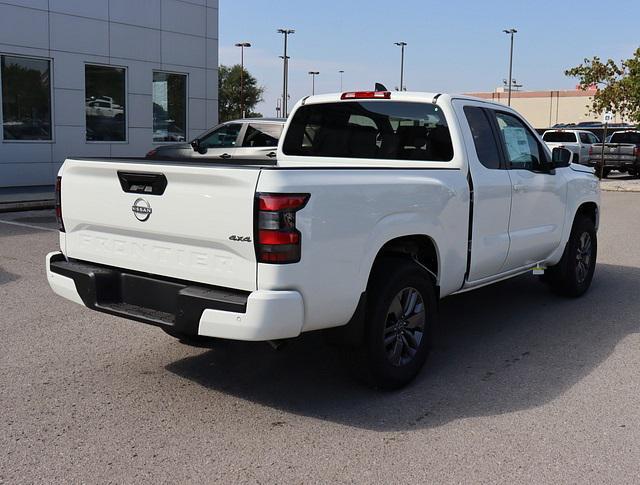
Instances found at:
x=522 y=387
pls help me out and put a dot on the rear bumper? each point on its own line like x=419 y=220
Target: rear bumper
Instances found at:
x=186 y=308
x=630 y=163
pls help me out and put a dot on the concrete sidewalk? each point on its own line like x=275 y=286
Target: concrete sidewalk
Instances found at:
x=23 y=198
x=620 y=183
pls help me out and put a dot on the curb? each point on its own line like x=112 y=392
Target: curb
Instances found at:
x=26 y=205
x=619 y=188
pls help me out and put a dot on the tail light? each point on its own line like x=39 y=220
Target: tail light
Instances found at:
x=590 y=151
x=59 y=204
x=367 y=95
x=637 y=152
x=277 y=239
x=151 y=153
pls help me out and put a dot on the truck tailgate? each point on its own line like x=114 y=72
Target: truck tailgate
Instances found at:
x=116 y=214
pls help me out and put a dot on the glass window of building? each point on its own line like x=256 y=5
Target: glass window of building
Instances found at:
x=169 y=107
x=26 y=98
x=105 y=106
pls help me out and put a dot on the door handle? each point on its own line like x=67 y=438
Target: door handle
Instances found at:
x=271 y=154
x=518 y=187
x=225 y=156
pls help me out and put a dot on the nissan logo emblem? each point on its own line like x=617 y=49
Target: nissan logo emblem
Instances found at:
x=141 y=209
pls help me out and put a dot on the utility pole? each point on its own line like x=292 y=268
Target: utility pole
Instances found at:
x=341 y=74
x=242 y=45
x=402 y=46
x=510 y=32
x=285 y=81
x=313 y=75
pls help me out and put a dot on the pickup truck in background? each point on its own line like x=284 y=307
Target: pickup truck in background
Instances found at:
x=621 y=153
x=377 y=205
x=576 y=141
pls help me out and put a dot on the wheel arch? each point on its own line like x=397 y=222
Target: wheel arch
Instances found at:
x=419 y=247
x=589 y=209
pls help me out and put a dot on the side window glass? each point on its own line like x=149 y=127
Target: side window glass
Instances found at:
x=593 y=138
x=584 y=138
x=223 y=137
x=265 y=135
x=483 y=139
x=520 y=146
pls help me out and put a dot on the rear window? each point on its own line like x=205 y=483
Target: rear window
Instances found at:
x=626 y=137
x=262 y=135
x=387 y=130
x=559 y=137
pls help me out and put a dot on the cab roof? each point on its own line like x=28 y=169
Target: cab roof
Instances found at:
x=415 y=96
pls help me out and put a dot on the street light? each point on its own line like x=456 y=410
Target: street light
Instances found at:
x=313 y=75
x=510 y=32
x=242 y=45
x=341 y=73
x=402 y=46
x=285 y=62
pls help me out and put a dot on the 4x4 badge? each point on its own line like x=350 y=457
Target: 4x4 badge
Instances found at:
x=240 y=238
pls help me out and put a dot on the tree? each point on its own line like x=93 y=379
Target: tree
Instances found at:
x=229 y=101
x=618 y=85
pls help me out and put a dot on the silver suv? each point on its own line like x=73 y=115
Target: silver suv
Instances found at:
x=252 y=138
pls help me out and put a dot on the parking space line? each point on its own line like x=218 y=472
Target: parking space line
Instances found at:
x=40 y=228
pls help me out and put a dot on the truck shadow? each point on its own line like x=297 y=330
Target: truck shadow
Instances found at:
x=504 y=348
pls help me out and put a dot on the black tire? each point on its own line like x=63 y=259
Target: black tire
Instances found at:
x=397 y=339
x=576 y=159
x=573 y=274
x=191 y=340
x=605 y=172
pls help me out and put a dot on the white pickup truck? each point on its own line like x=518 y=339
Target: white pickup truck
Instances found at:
x=377 y=205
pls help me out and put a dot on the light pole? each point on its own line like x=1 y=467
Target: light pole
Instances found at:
x=341 y=74
x=285 y=62
x=313 y=75
x=510 y=32
x=242 y=45
x=402 y=46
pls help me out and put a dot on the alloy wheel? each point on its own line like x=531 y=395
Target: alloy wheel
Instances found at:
x=583 y=257
x=404 y=327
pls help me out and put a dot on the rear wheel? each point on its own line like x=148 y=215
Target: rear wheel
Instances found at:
x=573 y=274
x=400 y=318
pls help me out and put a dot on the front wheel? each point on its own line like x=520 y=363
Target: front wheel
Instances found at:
x=400 y=318
x=573 y=274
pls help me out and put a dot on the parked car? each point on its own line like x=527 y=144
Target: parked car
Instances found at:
x=103 y=107
x=377 y=205
x=621 y=153
x=246 y=139
x=576 y=141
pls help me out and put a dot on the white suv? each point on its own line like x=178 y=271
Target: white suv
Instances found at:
x=576 y=141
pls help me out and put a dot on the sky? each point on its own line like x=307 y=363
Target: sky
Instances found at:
x=452 y=46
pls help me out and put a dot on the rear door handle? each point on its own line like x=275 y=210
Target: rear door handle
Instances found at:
x=225 y=156
x=271 y=154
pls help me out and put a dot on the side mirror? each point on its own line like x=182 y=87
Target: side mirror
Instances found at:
x=198 y=148
x=561 y=157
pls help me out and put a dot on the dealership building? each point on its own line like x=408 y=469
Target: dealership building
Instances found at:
x=544 y=109
x=101 y=78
